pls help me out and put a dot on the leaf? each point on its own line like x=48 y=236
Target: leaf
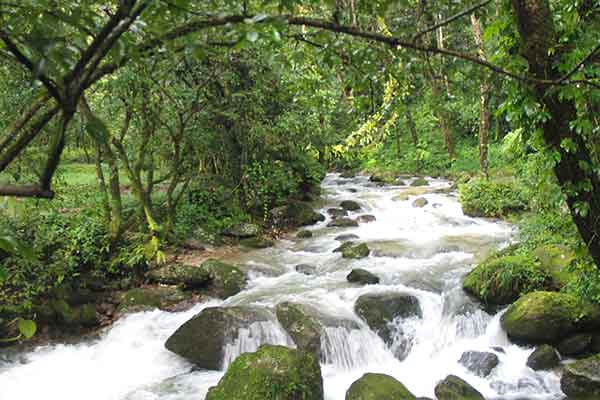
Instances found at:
x=27 y=328
x=3 y=274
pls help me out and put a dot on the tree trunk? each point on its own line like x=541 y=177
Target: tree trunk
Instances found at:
x=412 y=127
x=485 y=117
x=574 y=167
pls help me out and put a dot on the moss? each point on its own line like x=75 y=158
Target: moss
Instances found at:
x=419 y=182
x=272 y=373
x=454 y=388
x=257 y=243
x=581 y=379
x=227 y=280
x=301 y=326
x=548 y=317
x=488 y=198
x=303 y=234
x=358 y=251
x=555 y=260
x=386 y=177
x=502 y=279
x=188 y=276
x=378 y=387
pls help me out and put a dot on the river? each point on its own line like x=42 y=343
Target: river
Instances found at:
x=424 y=252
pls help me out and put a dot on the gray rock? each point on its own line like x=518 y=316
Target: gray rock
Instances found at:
x=337 y=212
x=543 y=357
x=342 y=223
x=575 y=345
x=362 y=276
x=366 y=218
x=581 y=379
x=306 y=269
x=243 y=230
x=346 y=237
x=188 y=276
x=350 y=205
x=420 y=202
x=480 y=363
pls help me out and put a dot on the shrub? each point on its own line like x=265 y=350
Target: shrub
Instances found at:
x=485 y=198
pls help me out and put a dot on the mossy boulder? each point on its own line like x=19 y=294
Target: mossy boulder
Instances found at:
x=271 y=373
x=302 y=326
x=378 y=387
x=575 y=345
x=343 y=246
x=555 y=260
x=145 y=298
x=356 y=251
x=348 y=174
x=362 y=276
x=385 y=177
x=346 y=237
x=226 y=279
x=188 y=276
x=304 y=234
x=243 y=230
x=454 y=388
x=337 y=212
x=543 y=357
x=296 y=214
x=257 y=243
x=581 y=379
x=61 y=313
x=202 y=339
x=420 y=202
x=548 y=317
x=342 y=223
x=478 y=362
x=419 y=182
x=350 y=205
x=501 y=280
x=380 y=309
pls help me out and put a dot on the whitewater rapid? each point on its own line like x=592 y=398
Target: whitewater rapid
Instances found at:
x=423 y=252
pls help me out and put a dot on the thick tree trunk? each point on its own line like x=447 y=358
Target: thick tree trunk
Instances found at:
x=577 y=179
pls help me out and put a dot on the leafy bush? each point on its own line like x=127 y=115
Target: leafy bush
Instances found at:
x=486 y=198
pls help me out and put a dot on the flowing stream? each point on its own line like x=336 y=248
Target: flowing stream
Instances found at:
x=424 y=252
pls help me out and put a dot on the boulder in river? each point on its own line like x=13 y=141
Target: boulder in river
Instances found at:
x=543 y=357
x=306 y=269
x=383 y=177
x=188 y=276
x=303 y=234
x=420 y=202
x=271 y=373
x=500 y=280
x=226 y=280
x=300 y=323
x=350 y=205
x=243 y=230
x=419 y=182
x=202 y=339
x=342 y=223
x=356 y=251
x=548 y=317
x=454 y=388
x=366 y=218
x=478 y=362
x=380 y=309
x=575 y=345
x=378 y=387
x=146 y=298
x=257 y=243
x=343 y=246
x=581 y=379
x=337 y=212
x=295 y=214
x=348 y=174
x=362 y=276
x=346 y=237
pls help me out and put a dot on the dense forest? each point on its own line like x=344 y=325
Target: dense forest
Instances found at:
x=135 y=134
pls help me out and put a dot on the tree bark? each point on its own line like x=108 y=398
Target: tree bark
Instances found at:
x=574 y=171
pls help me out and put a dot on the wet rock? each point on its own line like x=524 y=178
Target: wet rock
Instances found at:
x=226 y=280
x=271 y=373
x=575 y=345
x=548 y=317
x=295 y=214
x=501 y=280
x=71 y=317
x=379 y=310
x=391 y=248
x=356 y=251
x=202 y=339
x=400 y=182
x=257 y=243
x=306 y=269
x=303 y=234
x=348 y=174
x=595 y=346
x=420 y=202
x=419 y=182
x=543 y=357
x=352 y=190
x=342 y=223
x=383 y=177
x=362 y=276
x=146 y=298
x=346 y=237
x=299 y=322
x=337 y=212
x=366 y=218
x=378 y=387
x=343 y=246
x=243 y=230
x=581 y=379
x=350 y=205
x=480 y=363
x=188 y=276
x=454 y=388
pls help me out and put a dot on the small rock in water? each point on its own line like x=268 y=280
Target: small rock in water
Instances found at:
x=378 y=387
x=400 y=182
x=454 y=388
x=366 y=218
x=343 y=246
x=303 y=234
x=420 y=202
x=342 y=223
x=358 y=251
x=419 y=182
x=346 y=237
x=543 y=357
x=362 y=276
x=480 y=363
x=350 y=205
x=575 y=345
x=498 y=349
x=306 y=269
x=337 y=212
x=352 y=190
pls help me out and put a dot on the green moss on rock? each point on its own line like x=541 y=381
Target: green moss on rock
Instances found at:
x=419 y=182
x=271 y=373
x=501 y=280
x=581 y=379
x=257 y=243
x=357 y=251
x=226 y=279
x=378 y=387
x=454 y=388
x=548 y=317
x=303 y=327
x=188 y=276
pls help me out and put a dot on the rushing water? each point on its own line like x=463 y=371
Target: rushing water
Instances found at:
x=420 y=251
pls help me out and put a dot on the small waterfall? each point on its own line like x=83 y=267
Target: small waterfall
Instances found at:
x=347 y=349
x=251 y=338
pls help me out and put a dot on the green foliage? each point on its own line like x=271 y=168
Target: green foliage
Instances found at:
x=482 y=197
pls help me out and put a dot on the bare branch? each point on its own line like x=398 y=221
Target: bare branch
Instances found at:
x=26 y=191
